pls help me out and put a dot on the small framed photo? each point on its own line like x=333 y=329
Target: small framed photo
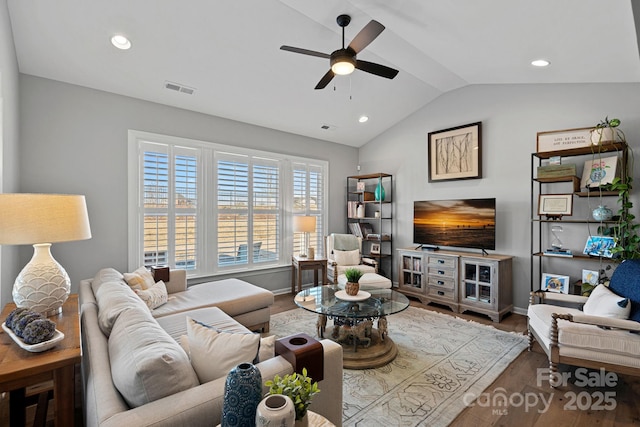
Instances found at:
x=555 y=283
x=590 y=277
x=360 y=186
x=455 y=153
x=599 y=246
x=555 y=205
x=375 y=248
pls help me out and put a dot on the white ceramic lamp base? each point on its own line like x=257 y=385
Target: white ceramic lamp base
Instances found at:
x=42 y=285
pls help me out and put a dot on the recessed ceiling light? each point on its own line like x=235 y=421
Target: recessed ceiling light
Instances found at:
x=121 y=42
x=363 y=119
x=540 y=63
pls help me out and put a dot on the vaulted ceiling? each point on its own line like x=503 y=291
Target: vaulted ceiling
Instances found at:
x=229 y=52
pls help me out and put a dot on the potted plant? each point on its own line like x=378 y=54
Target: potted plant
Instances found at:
x=607 y=131
x=353 y=275
x=299 y=388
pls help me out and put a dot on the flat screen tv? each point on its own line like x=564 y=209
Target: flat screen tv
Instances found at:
x=461 y=223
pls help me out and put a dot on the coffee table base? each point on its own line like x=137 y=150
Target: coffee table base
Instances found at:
x=379 y=353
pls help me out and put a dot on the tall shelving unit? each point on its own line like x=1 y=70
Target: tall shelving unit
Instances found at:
x=541 y=227
x=378 y=214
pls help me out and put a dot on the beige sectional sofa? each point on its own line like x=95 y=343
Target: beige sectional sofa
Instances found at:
x=136 y=373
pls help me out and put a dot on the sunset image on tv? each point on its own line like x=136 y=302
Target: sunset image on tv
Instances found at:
x=466 y=223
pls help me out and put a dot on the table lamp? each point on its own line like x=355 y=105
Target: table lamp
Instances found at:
x=40 y=220
x=306 y=225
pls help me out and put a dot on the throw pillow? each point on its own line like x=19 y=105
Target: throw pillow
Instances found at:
x=267 y=348
x=603 y=302
x=214 y=353
x=146 y=363
x=347 y=257
x=266 y=351
x=114 y=298
x=140 y=279
x=155 y=296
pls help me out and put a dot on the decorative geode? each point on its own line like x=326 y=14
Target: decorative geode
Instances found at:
x=11 y=315
x=38 y=331
x=25 y=320
x=16 y=318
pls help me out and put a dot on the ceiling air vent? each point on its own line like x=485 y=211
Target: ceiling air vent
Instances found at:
x=179 y=88
x=327 y=127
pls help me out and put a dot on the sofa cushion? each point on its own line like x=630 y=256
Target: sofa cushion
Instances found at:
x=141 y=278
x=214 y=353
x=603 y=302
x=233 y=296
x=105 y=275
x=155 y=296
x=146 y=363
x=625 y=282
x=347 y=257
x=113 y=298
x=581 y=336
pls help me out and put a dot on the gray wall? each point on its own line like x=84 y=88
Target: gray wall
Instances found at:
x=74 y=140
x=511 y=115
x=9 y=263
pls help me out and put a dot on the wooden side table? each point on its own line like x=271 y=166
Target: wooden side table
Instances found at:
x=298 y=264
x=20 y=368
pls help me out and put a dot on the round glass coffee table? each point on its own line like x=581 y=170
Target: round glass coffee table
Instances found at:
x=364 y=346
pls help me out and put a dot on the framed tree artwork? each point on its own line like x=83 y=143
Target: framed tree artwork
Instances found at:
x=455 y=153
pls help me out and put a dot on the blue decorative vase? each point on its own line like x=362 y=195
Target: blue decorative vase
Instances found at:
x=379 y=192
x=602 y=213
x=242 y=394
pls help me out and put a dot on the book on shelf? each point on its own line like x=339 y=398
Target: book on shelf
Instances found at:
x=558 y=252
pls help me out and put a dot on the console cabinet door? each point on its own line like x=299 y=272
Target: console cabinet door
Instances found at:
x=412 y=275
x=479 y=283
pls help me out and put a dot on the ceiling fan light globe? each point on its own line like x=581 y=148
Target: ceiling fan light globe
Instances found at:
x=343 y=68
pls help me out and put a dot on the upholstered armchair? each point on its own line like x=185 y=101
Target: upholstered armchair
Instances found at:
x=599 y=331
x=345 y=251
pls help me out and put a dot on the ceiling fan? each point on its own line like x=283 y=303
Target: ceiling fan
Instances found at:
x=343 y=61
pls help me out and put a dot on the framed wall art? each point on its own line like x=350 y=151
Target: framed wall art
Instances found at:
x=455 y=153
x=567 y=139
x=599 y=172
x=599 y=246
x=555 y=205
x=555 y=283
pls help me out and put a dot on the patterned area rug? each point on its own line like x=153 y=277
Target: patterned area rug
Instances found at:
x=440 y=359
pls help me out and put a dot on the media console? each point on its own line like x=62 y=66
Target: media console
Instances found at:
x=463 y=281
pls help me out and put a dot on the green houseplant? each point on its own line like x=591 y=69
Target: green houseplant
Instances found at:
x=353 y=275
x=607 y=130
x=625 y=230
x=299 y=387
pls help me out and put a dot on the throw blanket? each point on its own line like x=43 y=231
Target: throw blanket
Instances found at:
x=345 y=242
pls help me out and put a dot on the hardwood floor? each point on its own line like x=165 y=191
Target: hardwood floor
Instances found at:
x=531 y=402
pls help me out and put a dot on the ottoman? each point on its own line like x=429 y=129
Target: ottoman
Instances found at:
x=368 y=280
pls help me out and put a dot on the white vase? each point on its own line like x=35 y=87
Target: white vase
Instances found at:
x=600 y=135
x=276 y=410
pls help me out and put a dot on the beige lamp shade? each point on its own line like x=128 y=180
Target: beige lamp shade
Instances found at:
x=43 y=285
x=26 y=219
x=304 y=224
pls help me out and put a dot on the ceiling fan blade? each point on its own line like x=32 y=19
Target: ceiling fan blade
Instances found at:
x=324 y=81
x=366 y=36
x=305 y=51
x=377 y=69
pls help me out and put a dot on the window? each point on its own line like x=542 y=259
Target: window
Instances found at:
x=308 y=199
x=210 y=208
